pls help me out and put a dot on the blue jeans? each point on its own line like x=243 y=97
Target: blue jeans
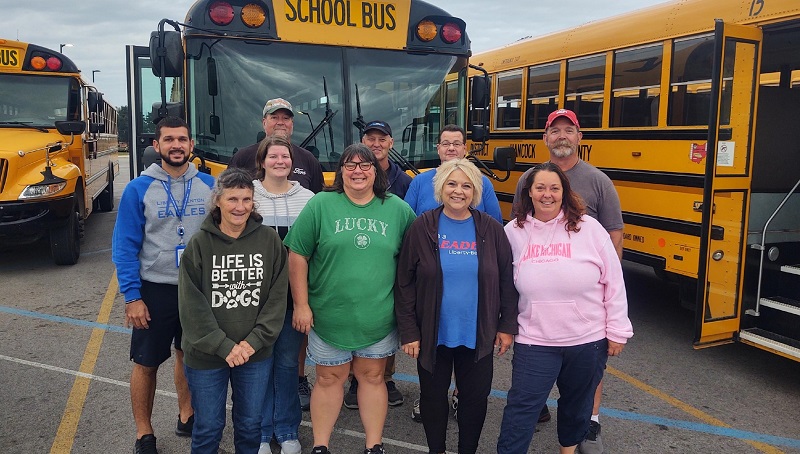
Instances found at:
x=576 y=370
x=282 y=414
x=209 y=388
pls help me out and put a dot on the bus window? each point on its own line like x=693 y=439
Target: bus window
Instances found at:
x=452 y=105
x=690 y=81
x=636 y=86
x=542 y=94
x=509 y=100
x=584 y=92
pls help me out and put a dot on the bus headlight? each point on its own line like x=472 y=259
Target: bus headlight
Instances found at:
x=35 y=191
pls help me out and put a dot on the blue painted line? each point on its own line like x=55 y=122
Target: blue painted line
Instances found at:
x=71 y=321
x=610 y=412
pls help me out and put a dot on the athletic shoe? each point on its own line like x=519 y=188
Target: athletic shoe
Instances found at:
x=291 y=447
x=416 y=415
x=454 y=404
x=320 y=450
x=304 y=391
x=351 y=396
x=264 y=448
x=184 y=429
x=395 y=396
x=145 y=445
x=593 y=444
x=377 y=449
x=544 y=415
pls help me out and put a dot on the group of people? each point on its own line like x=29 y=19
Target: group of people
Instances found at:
x=250 y=273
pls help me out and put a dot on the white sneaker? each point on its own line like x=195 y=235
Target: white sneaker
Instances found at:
x=264 y=448
x=291 y=447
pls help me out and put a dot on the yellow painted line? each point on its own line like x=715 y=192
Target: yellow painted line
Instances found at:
x=65 y=436
x=702 y=416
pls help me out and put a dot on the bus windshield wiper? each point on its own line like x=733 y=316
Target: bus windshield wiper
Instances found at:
x=26 y=124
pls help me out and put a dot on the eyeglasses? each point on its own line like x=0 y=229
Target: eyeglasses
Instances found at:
x=447 y=144
x=364 y=165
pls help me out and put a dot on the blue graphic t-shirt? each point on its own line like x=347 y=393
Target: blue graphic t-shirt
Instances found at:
x=458 y=254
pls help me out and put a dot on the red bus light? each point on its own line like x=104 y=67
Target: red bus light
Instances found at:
x=53 y=64
x=451 y=33
x=221 y=13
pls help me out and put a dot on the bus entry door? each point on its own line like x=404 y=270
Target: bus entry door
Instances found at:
x=734 y=89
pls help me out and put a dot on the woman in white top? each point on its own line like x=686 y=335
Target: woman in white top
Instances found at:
x=279 y=201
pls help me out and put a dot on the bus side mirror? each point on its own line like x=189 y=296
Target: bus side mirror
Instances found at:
x=70 y=127
x=172 y=52
x=174 y=109
x=505 y=158
x=95 y=100
x=478 y=133
x=480 y=93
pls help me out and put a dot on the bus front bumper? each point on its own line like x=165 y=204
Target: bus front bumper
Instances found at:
x=26 y=221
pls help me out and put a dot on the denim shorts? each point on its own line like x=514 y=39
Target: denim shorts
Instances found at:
x=324 y=354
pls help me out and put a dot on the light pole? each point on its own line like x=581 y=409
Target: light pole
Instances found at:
x=62 y=46
x=94 y=71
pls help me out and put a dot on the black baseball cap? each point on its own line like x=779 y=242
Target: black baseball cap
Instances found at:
x=381 y=126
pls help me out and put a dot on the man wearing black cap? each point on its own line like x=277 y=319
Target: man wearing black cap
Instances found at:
x=378 y=137
x=278 y=118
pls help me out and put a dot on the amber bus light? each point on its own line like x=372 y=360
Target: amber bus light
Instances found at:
x=426 y=30
x=38 y=63
x=253 y=15
x=221 y=13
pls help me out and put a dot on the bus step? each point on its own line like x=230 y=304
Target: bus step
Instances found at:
x=791 y=269
x=782 y=303
x=772 y=342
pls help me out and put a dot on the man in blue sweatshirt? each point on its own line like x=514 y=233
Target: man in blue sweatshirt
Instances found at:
x=158 y=213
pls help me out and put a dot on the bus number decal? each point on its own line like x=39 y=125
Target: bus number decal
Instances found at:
x=525 y=150
x=9 y=57
x=584 y=152
x=373 y=15
x=753 y=11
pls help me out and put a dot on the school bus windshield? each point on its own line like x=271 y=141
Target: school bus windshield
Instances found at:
x=36 y=100
x=404 y=90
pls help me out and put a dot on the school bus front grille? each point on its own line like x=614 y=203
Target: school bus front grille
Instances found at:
x=3 y=174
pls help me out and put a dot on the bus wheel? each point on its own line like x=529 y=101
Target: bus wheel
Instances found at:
x=65 y=241
x=105 y=202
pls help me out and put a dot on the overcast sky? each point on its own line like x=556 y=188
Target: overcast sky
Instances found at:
x=100 y=29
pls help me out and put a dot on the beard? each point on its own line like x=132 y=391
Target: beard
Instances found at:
x=562 y=149
x=175 y=162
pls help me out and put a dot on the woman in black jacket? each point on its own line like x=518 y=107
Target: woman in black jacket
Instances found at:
x=455 y=302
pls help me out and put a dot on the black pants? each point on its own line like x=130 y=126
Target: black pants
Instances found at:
x=474 y=381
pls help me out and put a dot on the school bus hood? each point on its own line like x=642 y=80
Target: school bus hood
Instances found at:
x=14 y=140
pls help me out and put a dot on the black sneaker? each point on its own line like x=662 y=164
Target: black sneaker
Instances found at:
x=145 y=445
x=351 y=396
x=184 y=429
x=304 y=391
x=395 y=396
x=320 y=450
x=377 y=449
x=544 y=415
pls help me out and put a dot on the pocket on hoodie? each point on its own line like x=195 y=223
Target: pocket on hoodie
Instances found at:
x=557 y=320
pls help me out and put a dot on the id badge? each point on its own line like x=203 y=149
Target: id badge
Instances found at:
x=178 y=253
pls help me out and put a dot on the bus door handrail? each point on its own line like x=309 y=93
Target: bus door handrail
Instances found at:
x=762 y=246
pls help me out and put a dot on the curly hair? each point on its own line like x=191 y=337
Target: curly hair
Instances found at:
x=571 y=203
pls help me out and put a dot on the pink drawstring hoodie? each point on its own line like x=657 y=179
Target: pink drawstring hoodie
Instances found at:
x=571 y=288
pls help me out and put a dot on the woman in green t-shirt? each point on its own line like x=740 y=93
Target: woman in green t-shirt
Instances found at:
x=343 y=252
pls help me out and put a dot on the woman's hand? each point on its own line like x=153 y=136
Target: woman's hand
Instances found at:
x=503 y=342
x=615 y=348
x=237 y=356
x=248 y=349
x=411 y=349
x=303 y=319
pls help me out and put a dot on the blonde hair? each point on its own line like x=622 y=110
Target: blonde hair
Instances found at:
x=446 y=169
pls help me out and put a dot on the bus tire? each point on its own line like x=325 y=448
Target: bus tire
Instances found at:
x=65 y=241
x=105 y=201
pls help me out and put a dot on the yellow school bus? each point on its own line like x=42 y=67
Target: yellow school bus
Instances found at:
x=338 y=62
x=690 y=107
x=58 y=150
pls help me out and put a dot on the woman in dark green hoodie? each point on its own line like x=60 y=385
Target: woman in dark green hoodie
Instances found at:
x=232 y=300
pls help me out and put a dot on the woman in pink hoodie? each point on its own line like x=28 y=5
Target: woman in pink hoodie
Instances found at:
x=573 y=311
